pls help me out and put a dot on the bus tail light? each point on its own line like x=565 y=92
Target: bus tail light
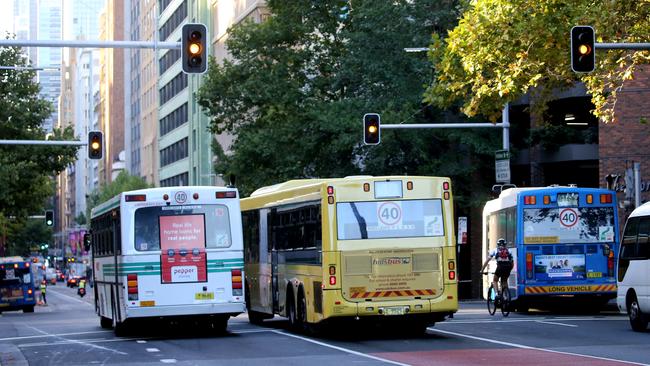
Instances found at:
x=606 y=198
x=132 y=286
x=366 y=187
x=236 y=282
x=530 y=200
x=547 y=200
x=227 y=194
x=332 y=280
x=409 y=185
x=30 y=291
x=610 y=264
x=445 y=191
x=452 y=275
x=332 y=270
x=135 y=197
x=330 y=195
x=529 y=266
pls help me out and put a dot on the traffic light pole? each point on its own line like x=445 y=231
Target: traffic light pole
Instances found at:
x=44 y=142
x=623 y=46
x=505 y=124
x=88 y=44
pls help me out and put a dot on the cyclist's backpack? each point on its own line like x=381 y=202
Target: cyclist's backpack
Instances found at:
x=503 y=255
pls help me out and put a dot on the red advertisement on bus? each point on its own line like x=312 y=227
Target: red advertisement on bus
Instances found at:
x=182 y=242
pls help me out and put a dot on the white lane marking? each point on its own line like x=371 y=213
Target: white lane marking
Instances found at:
x=79 y=342
x=68 y=341
x=141 y=341
x=504 y=320
x=340 y=348
x=168 y=360
x=252 y=331
x=516 y=345
x=153 y=350
x=55 y=335
x=555 y=323
x=69 y=297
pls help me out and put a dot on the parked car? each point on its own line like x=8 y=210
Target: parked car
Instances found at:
x=633 y=295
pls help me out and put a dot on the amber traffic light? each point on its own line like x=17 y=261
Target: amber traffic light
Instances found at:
x=95 y=145
x=193 y=48
x=583 y=52
x=371 y=128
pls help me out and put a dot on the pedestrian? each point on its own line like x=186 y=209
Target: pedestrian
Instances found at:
x=43 y=289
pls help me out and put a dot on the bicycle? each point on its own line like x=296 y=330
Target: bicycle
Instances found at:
x=502 y=300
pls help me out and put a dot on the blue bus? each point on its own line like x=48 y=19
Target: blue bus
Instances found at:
x=17 y=285
x=563 y=238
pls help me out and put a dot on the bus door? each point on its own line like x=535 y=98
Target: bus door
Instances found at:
x=274 y=261
x=267 y=293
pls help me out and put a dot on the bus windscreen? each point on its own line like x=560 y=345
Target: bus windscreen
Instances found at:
x=568 y=225
x=389 y=219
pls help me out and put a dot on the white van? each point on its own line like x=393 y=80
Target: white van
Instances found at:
x=633 y=296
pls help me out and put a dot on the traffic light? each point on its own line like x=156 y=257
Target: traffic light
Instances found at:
x=193 y=48
x=583 y=52
x=371 y=128
x=95 y=145
x=49 y=218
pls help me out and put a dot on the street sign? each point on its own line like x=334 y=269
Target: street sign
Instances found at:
x=502 y=166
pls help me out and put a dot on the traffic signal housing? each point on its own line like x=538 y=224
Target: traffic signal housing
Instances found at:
x=583 y=51
x=49 y=218
x=371 y=128
x=194 y=48
x=95 y=145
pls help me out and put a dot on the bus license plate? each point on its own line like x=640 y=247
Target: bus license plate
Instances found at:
x=395 y=311
x=204 y=296
x=594 y=274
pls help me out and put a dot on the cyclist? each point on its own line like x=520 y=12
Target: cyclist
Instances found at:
x=504 y=263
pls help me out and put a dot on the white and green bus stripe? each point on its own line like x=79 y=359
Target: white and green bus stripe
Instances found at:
x=153 y=268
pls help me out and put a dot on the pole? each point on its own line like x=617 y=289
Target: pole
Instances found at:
x=87 y=44
x=44 y=142
x=506 y=127
x=623 y=46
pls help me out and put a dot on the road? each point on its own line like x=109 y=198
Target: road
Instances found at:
x=67 y=332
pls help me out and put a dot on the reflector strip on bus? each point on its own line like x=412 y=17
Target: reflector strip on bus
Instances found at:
x=533 y=290
x=364 y=295
x=153 y=268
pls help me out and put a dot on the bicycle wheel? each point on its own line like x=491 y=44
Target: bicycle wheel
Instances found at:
x=505 y=301
x=491 y=300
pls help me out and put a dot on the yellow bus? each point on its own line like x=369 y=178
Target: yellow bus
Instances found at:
x=364 y=248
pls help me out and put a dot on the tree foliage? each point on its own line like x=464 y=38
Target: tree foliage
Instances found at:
x=26 y=171
x=297 y=85
x=502 y=49
x=124 y=182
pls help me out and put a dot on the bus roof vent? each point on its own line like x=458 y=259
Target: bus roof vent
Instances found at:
x=573 y=185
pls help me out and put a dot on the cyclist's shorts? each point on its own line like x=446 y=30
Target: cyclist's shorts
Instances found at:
x=503 y=270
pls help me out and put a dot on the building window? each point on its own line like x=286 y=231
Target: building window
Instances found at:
x=173 y=153
x=177 y=180
x=174 y=21
x=173 y=120
x=173 y=87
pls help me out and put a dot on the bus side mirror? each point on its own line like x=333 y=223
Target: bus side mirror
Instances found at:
x=86 y=242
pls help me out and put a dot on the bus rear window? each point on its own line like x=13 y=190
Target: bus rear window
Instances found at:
x=203 y=225
x=389 y=219
x=568 y=225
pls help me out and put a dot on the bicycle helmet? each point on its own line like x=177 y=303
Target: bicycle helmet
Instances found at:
x=501 y=242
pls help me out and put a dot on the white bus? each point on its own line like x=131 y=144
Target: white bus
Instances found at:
x=173 y=252
x=633 y=296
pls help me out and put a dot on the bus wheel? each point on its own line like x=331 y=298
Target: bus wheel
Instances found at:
x=291 y=310
x=120 y=329
x=105 y=323
x=637 y=319
x=302 y=312
x=28 y=309
x=220 y=324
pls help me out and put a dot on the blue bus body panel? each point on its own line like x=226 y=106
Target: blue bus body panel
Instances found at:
x=17 y=289
x=567 y=239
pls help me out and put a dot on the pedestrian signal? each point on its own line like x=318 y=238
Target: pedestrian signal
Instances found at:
x=194 y=48
x=371 y=128
x=583 y=52
x=49 y=218
x=95 y=145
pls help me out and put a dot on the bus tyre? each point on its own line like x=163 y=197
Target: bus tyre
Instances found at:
x=638 y=322
x=291 y=311
x=120 y=329
x=105 y=323
x=220 y=324
x=302 y=312
x=28 y=309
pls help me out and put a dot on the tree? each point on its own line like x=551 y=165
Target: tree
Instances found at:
x=26 y=171
x=124 y=182
x=298 y=84
x=502 y=49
